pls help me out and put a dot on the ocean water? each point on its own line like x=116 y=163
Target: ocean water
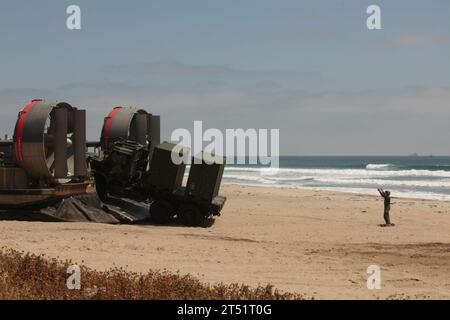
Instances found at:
x=409 y=177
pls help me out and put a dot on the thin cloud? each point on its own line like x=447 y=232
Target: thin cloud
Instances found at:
x=415 y=40
x=174 y=68
x=314 y=36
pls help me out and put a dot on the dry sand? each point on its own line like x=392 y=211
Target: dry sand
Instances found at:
x=313 y=242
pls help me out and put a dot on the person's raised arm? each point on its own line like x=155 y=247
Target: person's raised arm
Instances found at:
x=381 y=192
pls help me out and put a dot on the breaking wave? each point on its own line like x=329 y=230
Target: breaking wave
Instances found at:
x=372 y=166
x=412 y=183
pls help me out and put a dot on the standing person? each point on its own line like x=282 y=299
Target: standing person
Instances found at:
x=387 y=206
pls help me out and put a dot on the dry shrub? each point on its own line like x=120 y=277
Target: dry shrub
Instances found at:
x=28 y=276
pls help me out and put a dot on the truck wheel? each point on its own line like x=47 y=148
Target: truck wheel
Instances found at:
x=161 y=211
x=190 y=215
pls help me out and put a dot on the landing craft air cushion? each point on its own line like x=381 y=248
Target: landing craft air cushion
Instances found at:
x=46 y=167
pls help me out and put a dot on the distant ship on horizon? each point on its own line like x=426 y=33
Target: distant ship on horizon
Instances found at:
x=415 y=154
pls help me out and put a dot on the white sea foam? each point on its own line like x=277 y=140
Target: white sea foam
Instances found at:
x=426 y=184
x=348 y=172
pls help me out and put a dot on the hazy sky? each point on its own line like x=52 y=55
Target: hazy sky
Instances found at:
x=310 y=68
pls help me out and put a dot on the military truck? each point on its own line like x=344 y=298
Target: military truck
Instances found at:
x=148 y=173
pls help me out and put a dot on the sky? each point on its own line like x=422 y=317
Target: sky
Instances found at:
x=309 y=68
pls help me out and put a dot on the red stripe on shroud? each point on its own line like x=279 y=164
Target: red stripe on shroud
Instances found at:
x=21 y=126
x=107 y=127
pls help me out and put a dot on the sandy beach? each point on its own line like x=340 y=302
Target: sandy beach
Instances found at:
x=313 y=242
